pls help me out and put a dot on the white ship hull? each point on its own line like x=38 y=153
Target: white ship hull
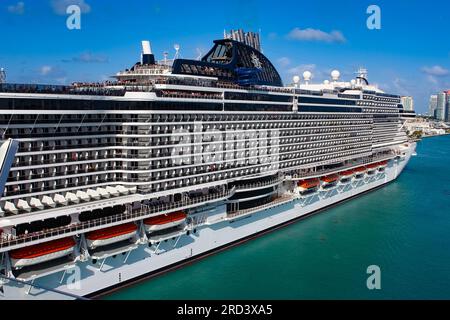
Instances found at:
x=143 y=260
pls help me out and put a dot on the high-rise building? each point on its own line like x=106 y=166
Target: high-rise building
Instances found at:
x=432 y=105
x=408 y=103
x=447 y=107
x=2 y=75
x=441 y=106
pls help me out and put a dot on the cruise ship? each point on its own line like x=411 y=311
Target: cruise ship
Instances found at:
x=105 y=184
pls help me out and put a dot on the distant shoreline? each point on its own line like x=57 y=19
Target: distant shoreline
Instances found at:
x=435 y=135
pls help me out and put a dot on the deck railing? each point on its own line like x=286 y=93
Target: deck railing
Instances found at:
x=280 y=200
x=258 y=184
x=130 y=214
x=343 y=168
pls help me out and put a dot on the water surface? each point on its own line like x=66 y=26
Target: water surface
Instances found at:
x=404 y=228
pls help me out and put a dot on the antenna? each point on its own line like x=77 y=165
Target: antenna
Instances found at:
x=199 y=53
x=361 y=76
x=176 y=46
x=2 y=75
x=165 y=57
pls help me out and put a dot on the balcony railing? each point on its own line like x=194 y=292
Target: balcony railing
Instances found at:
x=258 y=184
x=354 y=163
x=130 y=214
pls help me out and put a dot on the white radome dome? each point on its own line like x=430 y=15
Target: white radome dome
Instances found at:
x=335 y=74
x=326 y=82
x=296 y=79
x=307 y=75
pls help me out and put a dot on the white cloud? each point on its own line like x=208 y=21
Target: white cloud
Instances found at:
x=432 y=79
x=284 y=61
x=272 y=35
x=45 y=70
x=87 y=57
x=52 y=73
x=310 y=34
x=436 y=71
x=298 y=70
x=400 y=87
x=18 y=8
x=60 y=6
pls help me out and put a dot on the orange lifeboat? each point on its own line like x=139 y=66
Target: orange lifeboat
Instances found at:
x=308 y=184
x=372 y=167
x=382 y=164
x=332 y=178
x=346 y=173
x=359 y=172
x=164 y=221
x=110 y=235
x=42 y=252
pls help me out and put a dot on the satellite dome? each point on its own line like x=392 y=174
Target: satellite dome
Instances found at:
x=335 y=74
x=307 y=75
x=326 y=82
x=296 y=79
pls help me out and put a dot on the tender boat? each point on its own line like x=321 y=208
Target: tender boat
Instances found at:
x=382 y=165
x=41 y=252
x=164 y=221
x=110 y=235
x=371 y=168
x=308 y=184
x=346 y=174
x=329 y=180
x=359 y=172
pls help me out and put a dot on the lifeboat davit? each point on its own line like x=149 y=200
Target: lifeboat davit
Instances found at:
x=164 y=221
x=308 y=184
x=41 y=252
x=110 y=235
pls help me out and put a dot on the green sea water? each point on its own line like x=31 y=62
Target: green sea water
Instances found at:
x=404 y=228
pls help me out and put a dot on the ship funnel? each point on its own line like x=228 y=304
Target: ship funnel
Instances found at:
x=146 y=48
x=147 y=56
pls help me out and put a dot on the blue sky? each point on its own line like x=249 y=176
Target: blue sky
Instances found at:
x=409 y=55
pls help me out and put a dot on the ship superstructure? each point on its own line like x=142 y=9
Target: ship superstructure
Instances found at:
x=173 y=159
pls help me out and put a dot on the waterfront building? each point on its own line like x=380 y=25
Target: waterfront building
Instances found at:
x=408 y=103
x=441 y=106
x=432 y=106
